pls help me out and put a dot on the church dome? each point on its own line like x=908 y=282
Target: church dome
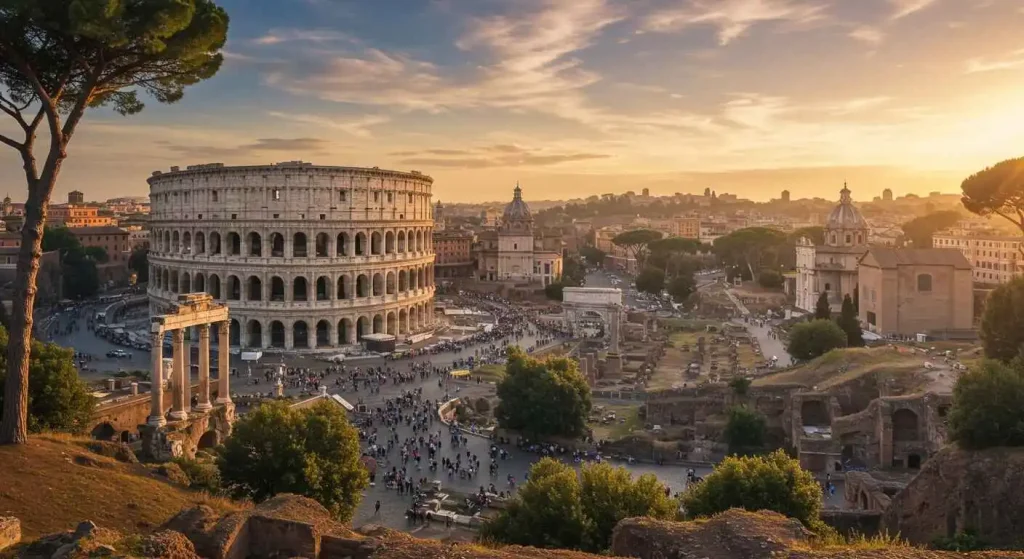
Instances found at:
x=845 y=215
x=517 y=210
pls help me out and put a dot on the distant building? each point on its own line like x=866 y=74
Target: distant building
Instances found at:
x=76 y=197
x=994 y=259
x=114 y=240
x=646 y=193
x=77 y=215
x=515 y=251
x=910 y=291
x=453 y=257
x=785 y=196
x=887 y=195
x=439 y=218
x=832 y=267
x=490 y=217
x=687 y=227
x=10 y=239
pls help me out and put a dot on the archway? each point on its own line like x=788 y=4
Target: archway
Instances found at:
x=255 y=244
x=403 y=281
x=175 y=242
x=390 y=285
x=174 y=281
x=214 y=286
x=104 y=432
x=378 y=285
x=186 y=243
x=343 y=288
x=215 y=243
x=323 y=333
x=234 y=333
x=403 y=321
x=323 y=288
x=255 y=334
x=209 y=439
x=360 y=244
x=392 y=324
x=389 y=242
x=186 y=282
x=276 y=245
x=299 y=289
x=904 y=426
x=200 y=242
x=234 y=244
x=362 y=286
x=378 y=324
x=401 y=241
x=300 y=334
x=341 y=245
x=344 y=331
x=276 y=289
x=322 y=242
x=299 y=248
x=200 y=283
x=362 y=327
x=255 y=289
x=234 y=289
x=375 y=243
x=276 y=334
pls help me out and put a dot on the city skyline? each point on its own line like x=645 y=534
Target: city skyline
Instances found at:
x=591 y=96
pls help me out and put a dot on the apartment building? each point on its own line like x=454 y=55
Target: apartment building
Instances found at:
x=996 y=259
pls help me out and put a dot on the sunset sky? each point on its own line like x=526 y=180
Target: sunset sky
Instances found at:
x=580 y=97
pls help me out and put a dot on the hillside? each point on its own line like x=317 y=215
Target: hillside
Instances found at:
x=905 y=371
x=53 y=483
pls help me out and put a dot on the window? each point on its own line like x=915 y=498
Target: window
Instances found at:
x=376 y=196
x=828 y=286
x=410 y=197
x=389 y=197
x=849 y=238
x=234 y=216
x=924 y=282
x=871 y=318
x=323 y=217
x=276 y=194
x=341 y=195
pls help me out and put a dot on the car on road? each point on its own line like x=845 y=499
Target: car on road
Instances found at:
x=117 y=353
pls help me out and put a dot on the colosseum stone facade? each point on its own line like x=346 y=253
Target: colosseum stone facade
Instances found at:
x=306 y=257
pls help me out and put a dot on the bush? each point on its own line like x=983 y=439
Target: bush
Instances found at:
x=770 y=279
x=808 y=340
x=775 y=482
x=1002 y=322
x=740 y=385
x=553 y=291
x=202 y=476
x=744 y=432
x=542 y=398
x=988 y=406
x=650 y=280
x=962 y=542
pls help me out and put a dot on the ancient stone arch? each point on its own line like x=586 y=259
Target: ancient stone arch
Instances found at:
x=578 y=302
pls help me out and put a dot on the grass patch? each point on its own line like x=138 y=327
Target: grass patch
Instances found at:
x=493 y=372
x=50 y=491
x=840 y=366
x=618 y=429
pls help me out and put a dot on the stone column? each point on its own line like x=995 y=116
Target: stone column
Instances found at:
x=613 y=330
x=186 y=370
x=224 y=363
x=204 y=369
x=179 y=401
x=156 y=377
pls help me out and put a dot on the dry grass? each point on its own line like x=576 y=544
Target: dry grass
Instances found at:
x=494 y=372
x=841 y=366
x=52 y=483
x=617 y=429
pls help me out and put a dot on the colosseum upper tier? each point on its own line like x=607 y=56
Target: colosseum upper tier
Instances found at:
x=305 y=256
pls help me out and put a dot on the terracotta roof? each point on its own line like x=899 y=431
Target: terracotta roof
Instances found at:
x=892 y=257
x=101 y=230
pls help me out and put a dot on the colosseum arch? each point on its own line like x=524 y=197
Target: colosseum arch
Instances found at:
x=392 y=324
x=255 y=242
x=401 y=241
x=167 y=280
x=276 y=289
x=276 y=245
x=300 y=245
x=414 y=319
x=276 y=334
x=341 y=244
x=174 y=281
x=323 y=288
x=344 y=289
x=175 y=242
x=323 y=333
x=254 y=334
x=234 y=244
x=322 y=245
x=905 y=426
x=419 y=241
x=254 y=288
x=403 y=281
x=300 y=289
x=186 y=282
x=378 y=324
x=421 y=278
x=376 y=244
x=214 y=243
x=360 y=243
x=214 y=288
x=234 y=333
x=362 y=286
x=186 y=243
x=378 y=284
x=403 y=321
x=199 y=284
x=390 y=283
x=362 y=327
x=234 y=290
x=167 y=242
x=200 y=242
x=300 y=334
x=389 y=242
x=345 y=331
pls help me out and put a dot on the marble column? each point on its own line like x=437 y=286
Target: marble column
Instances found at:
x=186 y=370
x=179 y=403
x=204 y=369
x=223 y=362
x=156 y=376
x=613 y=330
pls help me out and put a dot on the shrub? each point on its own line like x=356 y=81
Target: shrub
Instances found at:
x=988 y=406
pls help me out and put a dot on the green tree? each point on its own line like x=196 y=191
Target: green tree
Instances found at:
x=1002 y=321
x=79 y=275
x=997 y=190
x=988 y=406
x=850 y=324
x=558 y=508
x=740 y=385
x=554 y=290
x=744 y=432
x=139 y=263
x=822 y=308
x=57 y=59
x=650 y=280
x=771 y=279
x=58 y=400
x=815 y=233
x=919 y=230
x=636 y=242
x=308 y=451
x=97 y=254
x=755 y=248
x=593 y=255
x=573 y=271
x=774 y=482
x=543 y=398
x=808 y=340
x=681 y=287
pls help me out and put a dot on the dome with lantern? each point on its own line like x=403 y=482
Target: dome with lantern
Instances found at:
x=517 y=214
x=845 y=225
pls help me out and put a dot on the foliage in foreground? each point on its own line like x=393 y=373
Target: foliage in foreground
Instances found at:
x=808 y=340
x=557 y=508
x=543 y=398
x=744 y=432
x=988 y=406
x=58 y=400
x=310 y=451
x=1002 y=322
x=774 y=482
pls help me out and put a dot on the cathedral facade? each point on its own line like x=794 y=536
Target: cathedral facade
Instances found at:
x=516 y=250
x=832 y=267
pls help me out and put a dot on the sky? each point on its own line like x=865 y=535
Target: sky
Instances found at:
x=579 y=97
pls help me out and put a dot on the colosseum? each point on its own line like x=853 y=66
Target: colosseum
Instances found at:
x=306 y=257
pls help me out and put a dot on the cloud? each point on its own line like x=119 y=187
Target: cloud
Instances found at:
x=903 y=8
x=359 y=127
x=501 y=155
x=318 y=36
x=732 y=18
x=305 y=145
x=1008 y=61
x=870 y=35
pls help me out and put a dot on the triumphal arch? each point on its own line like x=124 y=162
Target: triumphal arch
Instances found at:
x=603 y=302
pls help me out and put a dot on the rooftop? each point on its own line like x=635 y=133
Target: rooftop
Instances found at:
x=101 y=230
x=892 y=258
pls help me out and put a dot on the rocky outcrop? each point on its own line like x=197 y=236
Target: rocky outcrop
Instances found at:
x=10 y=531
x=960 y=490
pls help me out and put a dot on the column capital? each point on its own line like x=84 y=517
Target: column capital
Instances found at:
x=204 y=330
x=178 y=336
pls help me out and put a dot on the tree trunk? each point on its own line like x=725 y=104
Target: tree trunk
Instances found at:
x=14 y=424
